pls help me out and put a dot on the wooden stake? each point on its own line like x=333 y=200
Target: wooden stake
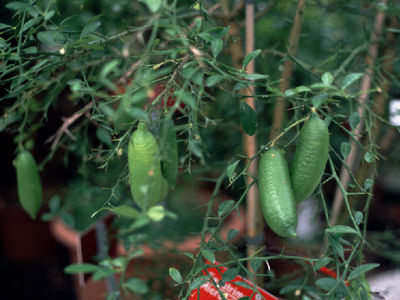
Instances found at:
x=279 y=111
x=253 y=215
x=366 y=81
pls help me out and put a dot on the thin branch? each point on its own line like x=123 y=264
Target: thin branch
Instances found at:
x=364 y=88
x=64 y=127
x=294 y=38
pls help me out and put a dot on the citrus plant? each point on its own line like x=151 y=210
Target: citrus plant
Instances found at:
x=133 y=97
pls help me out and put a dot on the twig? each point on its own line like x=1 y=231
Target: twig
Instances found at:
x=124 y=78
x=365 y=86
x=350 y=58
x=279 y=110
x=64 y=127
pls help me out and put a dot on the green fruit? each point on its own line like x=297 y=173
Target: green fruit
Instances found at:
x=276 y=196
x=169 y=151
x=310 y=158
x=148 y=186
x=28 y=181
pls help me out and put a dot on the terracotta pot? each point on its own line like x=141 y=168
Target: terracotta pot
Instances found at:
x=143 y=267
x=82 y=247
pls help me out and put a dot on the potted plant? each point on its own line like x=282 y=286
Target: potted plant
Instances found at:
x=122 y=94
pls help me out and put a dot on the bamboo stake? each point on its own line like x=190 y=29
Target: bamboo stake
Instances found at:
x=380 y=103
x=279 y=111
x=366 y=81
x=253 y=215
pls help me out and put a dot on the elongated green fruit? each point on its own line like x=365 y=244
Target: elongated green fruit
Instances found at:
x=276 y=195
x=28 y=181
x=310 y=158
x=148 y=186
x=169 y=151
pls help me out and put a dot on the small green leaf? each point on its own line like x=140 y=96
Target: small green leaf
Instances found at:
x=232 y=233
x=231 y=169
x=89 y=28
x=113 y=295
x=134 y=113
x=249 y=57
x=119 y=262
x=345 y=149
x=54 y=203
x=188 y=72
x=322 y=86
x=213 y=80
x=240 y=85
x=198 y=77
x=336 y=246
x=51 y=38
x=289 y=288
x=341 y=229
x=49 y=14
x=254 y=76
x=4 y=26
x=156 y=213
x=302 y=89
x=186 y=98
x=153 y=5
x=198 y=282
x=125 y=211
x=216 y=47
x=104 y=136
x=369 y=157
x=358 y=216
x=328 y=120
x=354 y=120
x=361 y=270
x=229 y=275
x=103 y=273
x=209 y=255
x=327 y=78
x=248 y=118
x=23 y=6
x=322 y=262
x=225 y=207
x=290 y=92
x=368 y=183
x=350 y=79
x=109 y=67
x=243 y=284
x=175 y=275
x=326 y=283
x=30 y=23
x=196 y=148
x=81 y=268
x=3 y=44
x=137 y=285
x=318 y=100
x=218 y=32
